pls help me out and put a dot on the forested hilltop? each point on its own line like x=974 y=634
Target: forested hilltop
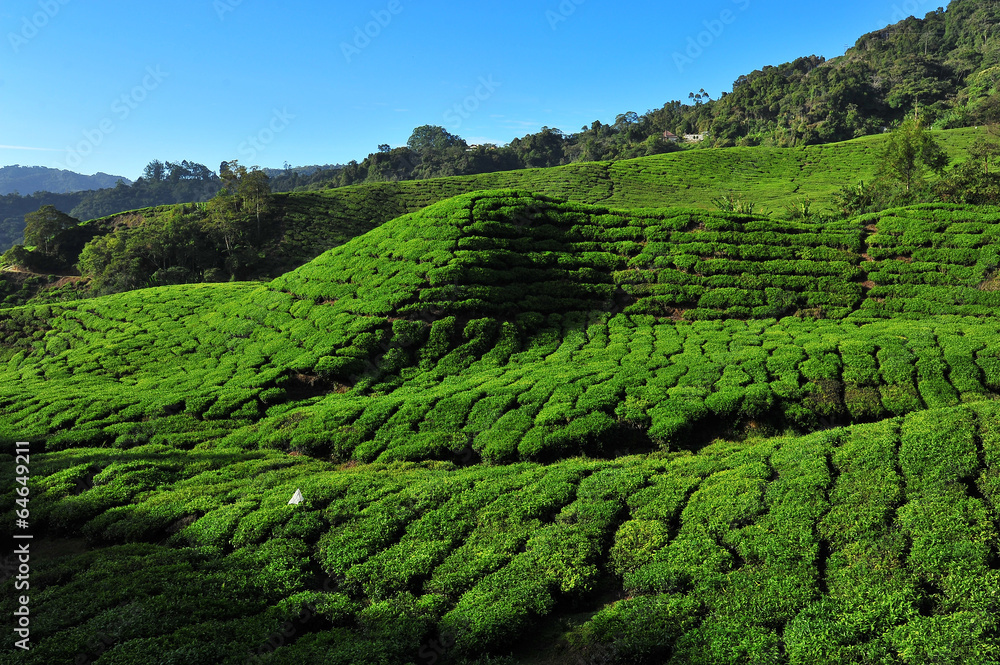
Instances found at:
x=161 y=183
x=945 y=65
x=31 y=179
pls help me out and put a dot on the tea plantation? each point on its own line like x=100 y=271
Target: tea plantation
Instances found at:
x=773 y=178
x=308 y=223
x=526 y=430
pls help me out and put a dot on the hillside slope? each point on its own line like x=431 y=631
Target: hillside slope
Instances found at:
x=772 y=178
x=875 y=543
x=531 y=428
x=304 y=224
x=580 y=325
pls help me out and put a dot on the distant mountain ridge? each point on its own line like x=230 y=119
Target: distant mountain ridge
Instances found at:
x=27 y=180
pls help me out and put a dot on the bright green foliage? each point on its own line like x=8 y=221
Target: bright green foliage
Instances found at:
x=504 y=411
x=910 y=152
x=932 y=259
x=556 y=327
x=870 y=543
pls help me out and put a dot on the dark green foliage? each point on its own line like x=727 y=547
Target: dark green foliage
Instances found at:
x=44 y=226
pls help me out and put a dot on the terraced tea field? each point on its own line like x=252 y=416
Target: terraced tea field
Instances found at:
x=773 y=178
x=533 y=430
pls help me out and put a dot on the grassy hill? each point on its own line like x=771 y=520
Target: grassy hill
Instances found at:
x=305 y=224
x=772 y=178
x=530 y=429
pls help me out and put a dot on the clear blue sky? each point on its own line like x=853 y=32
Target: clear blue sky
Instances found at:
x=108 y=85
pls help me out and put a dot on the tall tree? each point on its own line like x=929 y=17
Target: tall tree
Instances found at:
x=154 y=171
x=43 y=225
x=431 y=138
x=911 y=151
x=254 y=190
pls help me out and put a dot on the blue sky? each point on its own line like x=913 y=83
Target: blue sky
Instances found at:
x=108 y=85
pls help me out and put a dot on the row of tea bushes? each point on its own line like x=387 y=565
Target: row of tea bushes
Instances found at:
x=932 y=259
x=605 y=387
x=875 y=542
x=262 y=369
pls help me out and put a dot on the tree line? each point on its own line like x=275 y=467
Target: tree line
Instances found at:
x=235 y=234
x=162 y=183
x=223 y=238
x=946 y=64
